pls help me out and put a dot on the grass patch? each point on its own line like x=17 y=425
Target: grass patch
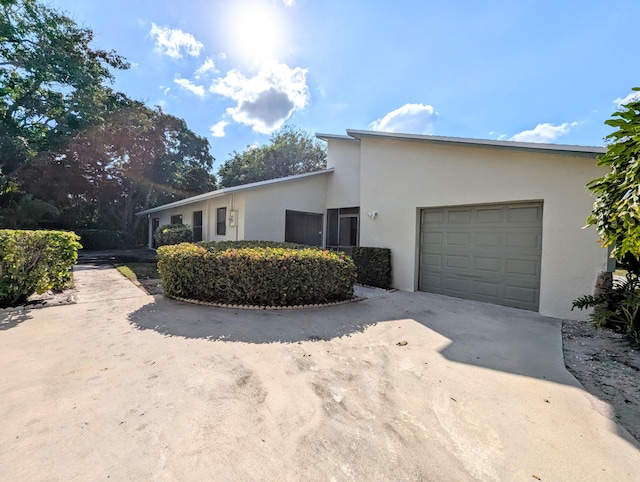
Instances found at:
x=139 y=271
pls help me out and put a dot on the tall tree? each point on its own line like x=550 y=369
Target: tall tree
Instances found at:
x=290 y=151
x=136 y=158
x=616 y=210
x=51 y=81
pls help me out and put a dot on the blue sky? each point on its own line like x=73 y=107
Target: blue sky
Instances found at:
x=235 y=70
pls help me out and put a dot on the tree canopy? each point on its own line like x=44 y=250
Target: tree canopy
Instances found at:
x=290 y=151
x=52 y=83
x=616 y=210
x=73 y=150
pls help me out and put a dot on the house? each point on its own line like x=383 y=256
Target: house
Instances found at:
x=494 y=221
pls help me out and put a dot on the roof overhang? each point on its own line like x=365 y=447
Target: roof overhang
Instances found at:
x=232 y=190
x=562 y=149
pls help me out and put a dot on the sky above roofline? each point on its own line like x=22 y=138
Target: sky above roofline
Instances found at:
x=526 y=71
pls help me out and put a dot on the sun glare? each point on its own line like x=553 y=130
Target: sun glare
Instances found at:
x=257 y=31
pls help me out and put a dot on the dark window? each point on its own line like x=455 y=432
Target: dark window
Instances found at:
x=303 y=228
x=343 y=228
x=155 y=224
x=176 y=219
x=221 y=221
x=197 y=226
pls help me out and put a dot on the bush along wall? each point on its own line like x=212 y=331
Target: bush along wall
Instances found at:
x=173 y=234
x=373 y=266
x=34 y=262
x=259 y=276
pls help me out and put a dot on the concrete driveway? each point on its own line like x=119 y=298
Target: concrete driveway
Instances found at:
x=401 y=386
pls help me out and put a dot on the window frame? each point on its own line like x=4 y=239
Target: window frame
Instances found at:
x=221 y=221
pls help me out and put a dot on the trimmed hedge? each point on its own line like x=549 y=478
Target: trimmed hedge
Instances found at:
x=224 y=245
x=173 y=234
x=34 y=262
x=261 y=276
x=373 y=266
x=101 y=239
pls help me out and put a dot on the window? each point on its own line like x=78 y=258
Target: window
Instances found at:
x=197 y=226
x=221 y=221
x=303 y=228
x=155 y=224
x=176 y=219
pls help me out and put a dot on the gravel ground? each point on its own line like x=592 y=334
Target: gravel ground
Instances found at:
x=608 y=366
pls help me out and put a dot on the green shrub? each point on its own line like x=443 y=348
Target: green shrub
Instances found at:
x=224 y=245
x=617 y=307
x=173 y=234
x=101 y=239
x=262 y=276
x=34 y=262
x=373 y=266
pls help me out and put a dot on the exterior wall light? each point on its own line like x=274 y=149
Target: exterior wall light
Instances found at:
x=372 y=214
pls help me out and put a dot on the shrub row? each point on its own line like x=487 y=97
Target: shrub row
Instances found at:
x=34 y=262
x=224 y=245
x=101 y=239
x=262 y=276
x=173 y=234
x=373 y=266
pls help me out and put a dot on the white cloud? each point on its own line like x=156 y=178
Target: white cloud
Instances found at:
x=408 y=119
x=545 y=133
x=633 y=96
x=207 y=66
x=190 y=86
x=175 y=42
x=217 y=130
x=289 y=3
x=266 y=100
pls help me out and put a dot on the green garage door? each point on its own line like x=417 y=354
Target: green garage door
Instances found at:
x=488 y=252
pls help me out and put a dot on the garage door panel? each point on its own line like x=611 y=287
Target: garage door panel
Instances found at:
x=485 y=252
x=486 y=264
x=459 y=216
x=524 y=267
x=457 y=262
x=432 y=260
x=524 y=215
x=432 y=238
x=488 y=239
x=523 y=240
x=433 y=216
x=458 y=239
x=489 y=215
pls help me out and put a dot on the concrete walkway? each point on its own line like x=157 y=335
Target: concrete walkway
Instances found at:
x=401 y=386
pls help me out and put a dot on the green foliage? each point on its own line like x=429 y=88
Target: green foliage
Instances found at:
x=373 y=266
x=618 y=307
x=173 y=234
x=224 y=245
x=101 y=239
x=51 y=80
x=103 y=155
x=26 y=212
x=34 y=262
x=290 y=151
x=267 y=276
x=616 y=210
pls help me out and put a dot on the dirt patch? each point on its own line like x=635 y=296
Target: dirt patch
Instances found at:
x=608 y=366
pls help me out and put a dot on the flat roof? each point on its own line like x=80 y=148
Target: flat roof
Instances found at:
x=587 y=151
x=231 y=190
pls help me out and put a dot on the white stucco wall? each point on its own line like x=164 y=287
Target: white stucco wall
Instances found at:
x=400 y=177
x=265 y=207
x=343 y=188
